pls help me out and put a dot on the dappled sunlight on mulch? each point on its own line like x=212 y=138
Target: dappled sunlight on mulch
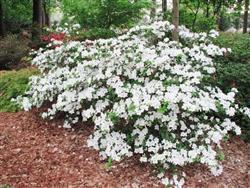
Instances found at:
x=35 y=153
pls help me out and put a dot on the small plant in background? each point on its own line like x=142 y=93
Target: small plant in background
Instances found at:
x=75 y=32
x=104 y=13
x=5 y=186
x=52 y=40
x=109 y=163
x=202 y=23
x=13 y=84
x=233 y=71
x=13 y=49
x=53 y=36
x=66 y=28
x=93 y=34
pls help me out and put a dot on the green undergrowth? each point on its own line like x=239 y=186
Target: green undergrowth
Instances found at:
x=13 y=84
x=233 y=70
x=5 y=186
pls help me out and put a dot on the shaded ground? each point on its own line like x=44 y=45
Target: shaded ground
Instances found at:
x=34 y=153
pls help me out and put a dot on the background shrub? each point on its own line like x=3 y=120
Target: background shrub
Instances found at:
x=95 y=33
x=18 y=15
x=103 y=13
x=234 y=70
x=12 y=51
x=12 y=84
x=202 y=23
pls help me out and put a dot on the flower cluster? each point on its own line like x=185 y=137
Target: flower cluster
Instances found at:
x=52 y=37
x=144 y=92
x=68 y=29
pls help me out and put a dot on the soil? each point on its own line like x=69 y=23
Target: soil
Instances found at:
x=36 y=153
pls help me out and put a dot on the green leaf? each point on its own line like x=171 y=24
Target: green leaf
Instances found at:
x=164 y=107
x=109 y=163
x=113 y=117
x=221 y=155
x=131 y=108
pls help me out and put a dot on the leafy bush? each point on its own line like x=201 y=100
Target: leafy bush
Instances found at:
x=233 y=70
x=53 y=36
x=74 y=32
x=95 y=33
x=228 y=20
x=12 y=84
x=17 y=14
x=202 y=23
x=103 y=13
x=145 y=94
x=12 y=51
x=5 y=186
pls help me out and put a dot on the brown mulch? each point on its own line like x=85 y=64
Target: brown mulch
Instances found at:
x=34 y=153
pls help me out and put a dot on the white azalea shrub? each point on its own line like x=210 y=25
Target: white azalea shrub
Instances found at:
x=145 y=94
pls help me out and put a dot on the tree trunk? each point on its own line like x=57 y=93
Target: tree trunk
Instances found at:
x=43 y=18
x=217 y=7
x=2 y=28
x=153 y=9
x=207 y=9
x=38 y=13
x=245 y=24
x=46 y=18
x=195 y=15
x=175 y=17
x=164 y=6
x=37 y=19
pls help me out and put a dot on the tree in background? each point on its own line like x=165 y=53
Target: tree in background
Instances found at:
x=245 y=23
x=38 y=13
x=153 y=9
x=37 y=19
x=1 y=19
x=207 y=8
x=46 y=13
x=175 y=19
x=17 y=15
x=204 y=15
x=164 y=5
x=103 y=13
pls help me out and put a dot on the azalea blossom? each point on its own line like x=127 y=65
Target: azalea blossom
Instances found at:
x=144 y=93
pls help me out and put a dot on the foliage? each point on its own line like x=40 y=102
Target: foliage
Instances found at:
x=103 y=13
x=12 y=84
x=228 y=20
x=203 y=15
x=95 y=33
x=5 y=186
x=74 y=32
x=53 y=36
x=12 y=51
x=17 y=13
x=233 y=70
x=145 y=94
x=202 y=23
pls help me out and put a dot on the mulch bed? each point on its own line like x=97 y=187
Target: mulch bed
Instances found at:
x=36 y=153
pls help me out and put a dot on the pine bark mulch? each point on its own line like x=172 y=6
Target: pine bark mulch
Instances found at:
x=36 y=153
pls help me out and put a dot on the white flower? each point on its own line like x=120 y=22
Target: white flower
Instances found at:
x=165 y=181
x=144 y=93
x=216 y=170
x=143 y=159
x=26 y=104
